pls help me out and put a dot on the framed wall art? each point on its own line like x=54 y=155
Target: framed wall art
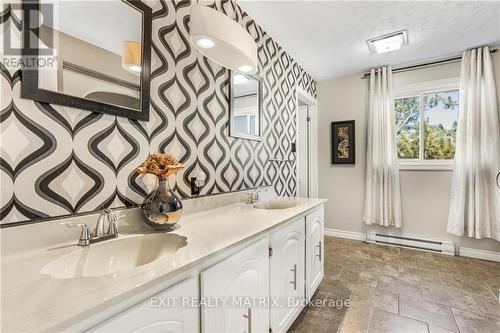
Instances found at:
x=343 y=145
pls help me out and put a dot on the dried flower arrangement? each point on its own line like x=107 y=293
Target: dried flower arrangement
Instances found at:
x=161 y=165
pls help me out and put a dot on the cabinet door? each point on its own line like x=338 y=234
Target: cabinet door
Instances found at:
x=161 y=313
x=231 y=291
x=287 y=274
x=314 y=250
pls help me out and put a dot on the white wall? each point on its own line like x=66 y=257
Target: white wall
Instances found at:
x=425 y=194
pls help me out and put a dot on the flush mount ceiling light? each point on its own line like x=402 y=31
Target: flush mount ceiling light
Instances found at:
x=222 y=39
x=131 y=57
x=389 y=42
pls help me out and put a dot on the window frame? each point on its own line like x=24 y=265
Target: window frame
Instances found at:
x=419 y=90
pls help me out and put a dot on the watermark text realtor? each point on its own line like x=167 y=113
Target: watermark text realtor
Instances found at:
x=37 y=50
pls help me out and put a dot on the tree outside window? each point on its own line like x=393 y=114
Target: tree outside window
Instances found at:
x=437 y=113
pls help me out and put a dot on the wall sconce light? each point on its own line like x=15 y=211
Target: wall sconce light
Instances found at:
x=222 y=39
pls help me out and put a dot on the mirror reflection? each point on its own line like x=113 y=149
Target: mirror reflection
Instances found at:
x=245 y=94
x=98 y=47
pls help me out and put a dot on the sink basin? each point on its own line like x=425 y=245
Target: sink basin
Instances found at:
x=278 y=203
x=111 y=256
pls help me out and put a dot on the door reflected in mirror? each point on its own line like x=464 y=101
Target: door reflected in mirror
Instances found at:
x=245 y=106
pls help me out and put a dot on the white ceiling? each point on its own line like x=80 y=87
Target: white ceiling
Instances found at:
x=245 y=88
x=328 y=38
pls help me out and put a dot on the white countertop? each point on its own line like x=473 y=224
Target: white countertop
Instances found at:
x=32 y=302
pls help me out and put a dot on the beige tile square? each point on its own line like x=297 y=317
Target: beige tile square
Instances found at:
x=334 y=308
x=337 y=288
x=350 y=274
x=450 y=297
x=373 y=266
x=474 y=322
x=309 y=324
x=346 y=328
x=390 y=284
x=376 y=298
x=332 y=270
x=409 y=288
x=368 y=279
x=494 y=284
x=432 y=313
x=450 y=280
x=419 y=275
x=489 y=306
x=390 y=269
x=433 y=265
x=346 y=261
x=476 y=286
x=357 y=317
x=485 y=266
x=386 y=322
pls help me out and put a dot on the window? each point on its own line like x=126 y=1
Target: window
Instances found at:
x=408 y=127
x=426 y=126
x=245 y=124
x=240 y=124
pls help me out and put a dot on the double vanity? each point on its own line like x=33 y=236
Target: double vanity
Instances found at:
x=228 y=266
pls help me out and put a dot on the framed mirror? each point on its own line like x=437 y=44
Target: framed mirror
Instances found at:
x=245 y=106
x=91 y=55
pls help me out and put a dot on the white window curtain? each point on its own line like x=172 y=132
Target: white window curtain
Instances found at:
x=382 y=192
x=475 y=199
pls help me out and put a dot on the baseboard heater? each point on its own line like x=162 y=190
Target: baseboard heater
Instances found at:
x=443 y=247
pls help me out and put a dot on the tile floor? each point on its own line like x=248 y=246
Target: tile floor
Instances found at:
x=374 y=288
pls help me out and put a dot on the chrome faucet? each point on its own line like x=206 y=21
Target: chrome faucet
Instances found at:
x=106 y=216
x=254 y=196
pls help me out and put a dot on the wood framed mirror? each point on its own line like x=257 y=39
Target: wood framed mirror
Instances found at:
x=90 y=55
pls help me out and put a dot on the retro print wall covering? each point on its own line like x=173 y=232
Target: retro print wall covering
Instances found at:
x=57 y=161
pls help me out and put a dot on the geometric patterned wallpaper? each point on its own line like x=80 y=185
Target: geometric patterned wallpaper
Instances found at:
x=57 y=161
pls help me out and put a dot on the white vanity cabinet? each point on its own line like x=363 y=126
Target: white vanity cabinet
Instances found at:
x=287 y=265
x=236 y=290
x=163 y=312
x=232 y=289
x=314 y=250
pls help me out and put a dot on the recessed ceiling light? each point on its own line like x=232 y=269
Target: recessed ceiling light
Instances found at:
x=205 y=43
x=239 y=79
x=389 y=42
x=245 y=68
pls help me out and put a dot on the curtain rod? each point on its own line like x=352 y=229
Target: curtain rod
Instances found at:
x=424 y=65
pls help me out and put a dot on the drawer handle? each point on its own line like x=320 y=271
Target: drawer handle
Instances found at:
x=294 y=282
x=248 y=316
x=319 y=252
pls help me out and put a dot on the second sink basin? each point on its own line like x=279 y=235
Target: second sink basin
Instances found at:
x=277 y=203
x=115 y=255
